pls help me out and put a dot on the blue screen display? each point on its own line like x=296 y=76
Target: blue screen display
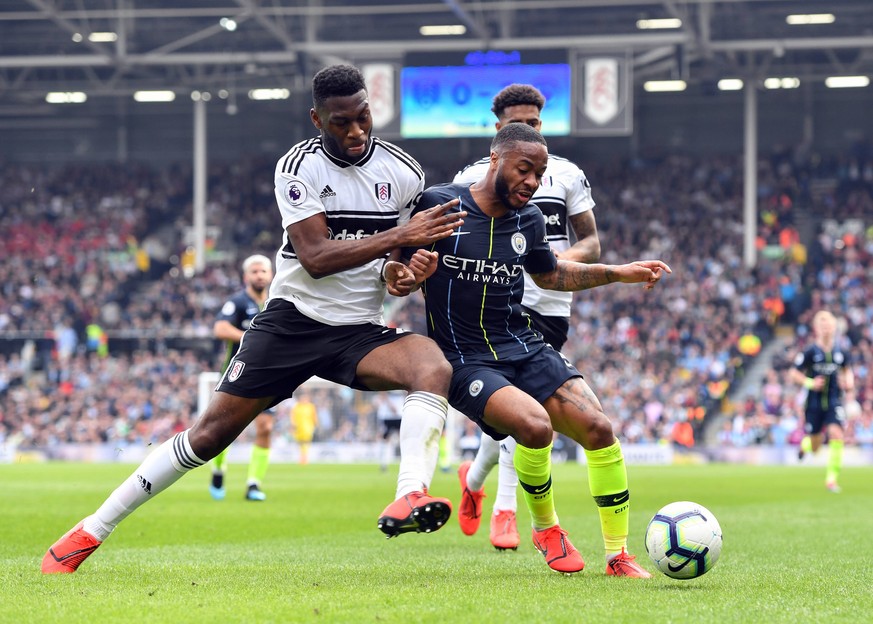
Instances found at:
x=439 y=102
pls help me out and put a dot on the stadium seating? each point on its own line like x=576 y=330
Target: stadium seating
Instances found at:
x=90 y=245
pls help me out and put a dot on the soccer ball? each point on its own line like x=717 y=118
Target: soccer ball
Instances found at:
x=683 y=540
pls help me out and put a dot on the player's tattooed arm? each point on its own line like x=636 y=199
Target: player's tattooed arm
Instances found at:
x=573 y=276
x=587 y=246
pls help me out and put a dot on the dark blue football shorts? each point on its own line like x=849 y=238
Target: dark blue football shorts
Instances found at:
x=539 y=374
x=816 y=419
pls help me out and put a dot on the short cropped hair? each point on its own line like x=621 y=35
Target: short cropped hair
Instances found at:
x=336 y=81
x=515 y=133
x=256 y=259
x=517 y=95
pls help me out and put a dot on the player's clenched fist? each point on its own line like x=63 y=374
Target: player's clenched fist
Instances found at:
x=423 y=263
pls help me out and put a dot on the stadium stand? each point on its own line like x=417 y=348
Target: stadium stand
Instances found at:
x=74 y=257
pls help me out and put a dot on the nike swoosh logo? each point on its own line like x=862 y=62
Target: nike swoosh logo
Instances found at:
x=621 y=499
x=542 y=488
x=63 y=558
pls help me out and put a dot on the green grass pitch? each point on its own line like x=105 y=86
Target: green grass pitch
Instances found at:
x=793 y=552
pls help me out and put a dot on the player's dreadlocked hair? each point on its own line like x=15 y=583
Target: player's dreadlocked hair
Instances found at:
x=336 y=81
x=515 y=95
x=515 y=133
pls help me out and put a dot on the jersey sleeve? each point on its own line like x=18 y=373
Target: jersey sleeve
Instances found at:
x=579 y=197
x=414 y=199
x=540 y=258
x=297 y=198
x=471 y=173
x=800 y=361
x=230 y=312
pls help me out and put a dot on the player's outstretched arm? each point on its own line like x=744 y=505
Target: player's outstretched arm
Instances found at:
x=573 y=276
x=322 y=255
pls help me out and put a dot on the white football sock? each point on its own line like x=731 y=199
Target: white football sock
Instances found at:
x=483 y=463
x=422 y=422
x=161 y=469
x=507 y=478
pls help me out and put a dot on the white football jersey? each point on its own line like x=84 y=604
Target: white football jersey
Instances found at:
x=564 y=192
x=358 y=200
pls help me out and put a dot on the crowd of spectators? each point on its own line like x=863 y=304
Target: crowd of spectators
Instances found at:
x=105 y=244
x=90 y=245
x=142 y=398
x=123 y=399
x=66 y=250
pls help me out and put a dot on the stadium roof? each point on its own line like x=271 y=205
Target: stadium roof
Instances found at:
x=48 y=45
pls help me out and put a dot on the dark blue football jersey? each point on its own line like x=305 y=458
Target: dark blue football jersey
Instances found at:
x=239 y=311
x=814 y=361
x=473 y=299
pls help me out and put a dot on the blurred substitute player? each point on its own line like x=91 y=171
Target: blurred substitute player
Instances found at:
x=506 y=377
x=825 y=373
x=564 y=197
x=345 y=198
x=304 y=422
x=235 y=316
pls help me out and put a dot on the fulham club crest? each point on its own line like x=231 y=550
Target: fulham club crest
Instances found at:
x=383 y=192
x=236 y=370
x=601 y=89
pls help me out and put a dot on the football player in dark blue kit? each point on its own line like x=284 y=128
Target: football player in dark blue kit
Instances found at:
x=231 y=323
x=506 y=377
x=823 y=369
x=565 y=199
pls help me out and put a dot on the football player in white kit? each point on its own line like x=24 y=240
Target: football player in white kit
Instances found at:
x=564 y=197
x=345 y=198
